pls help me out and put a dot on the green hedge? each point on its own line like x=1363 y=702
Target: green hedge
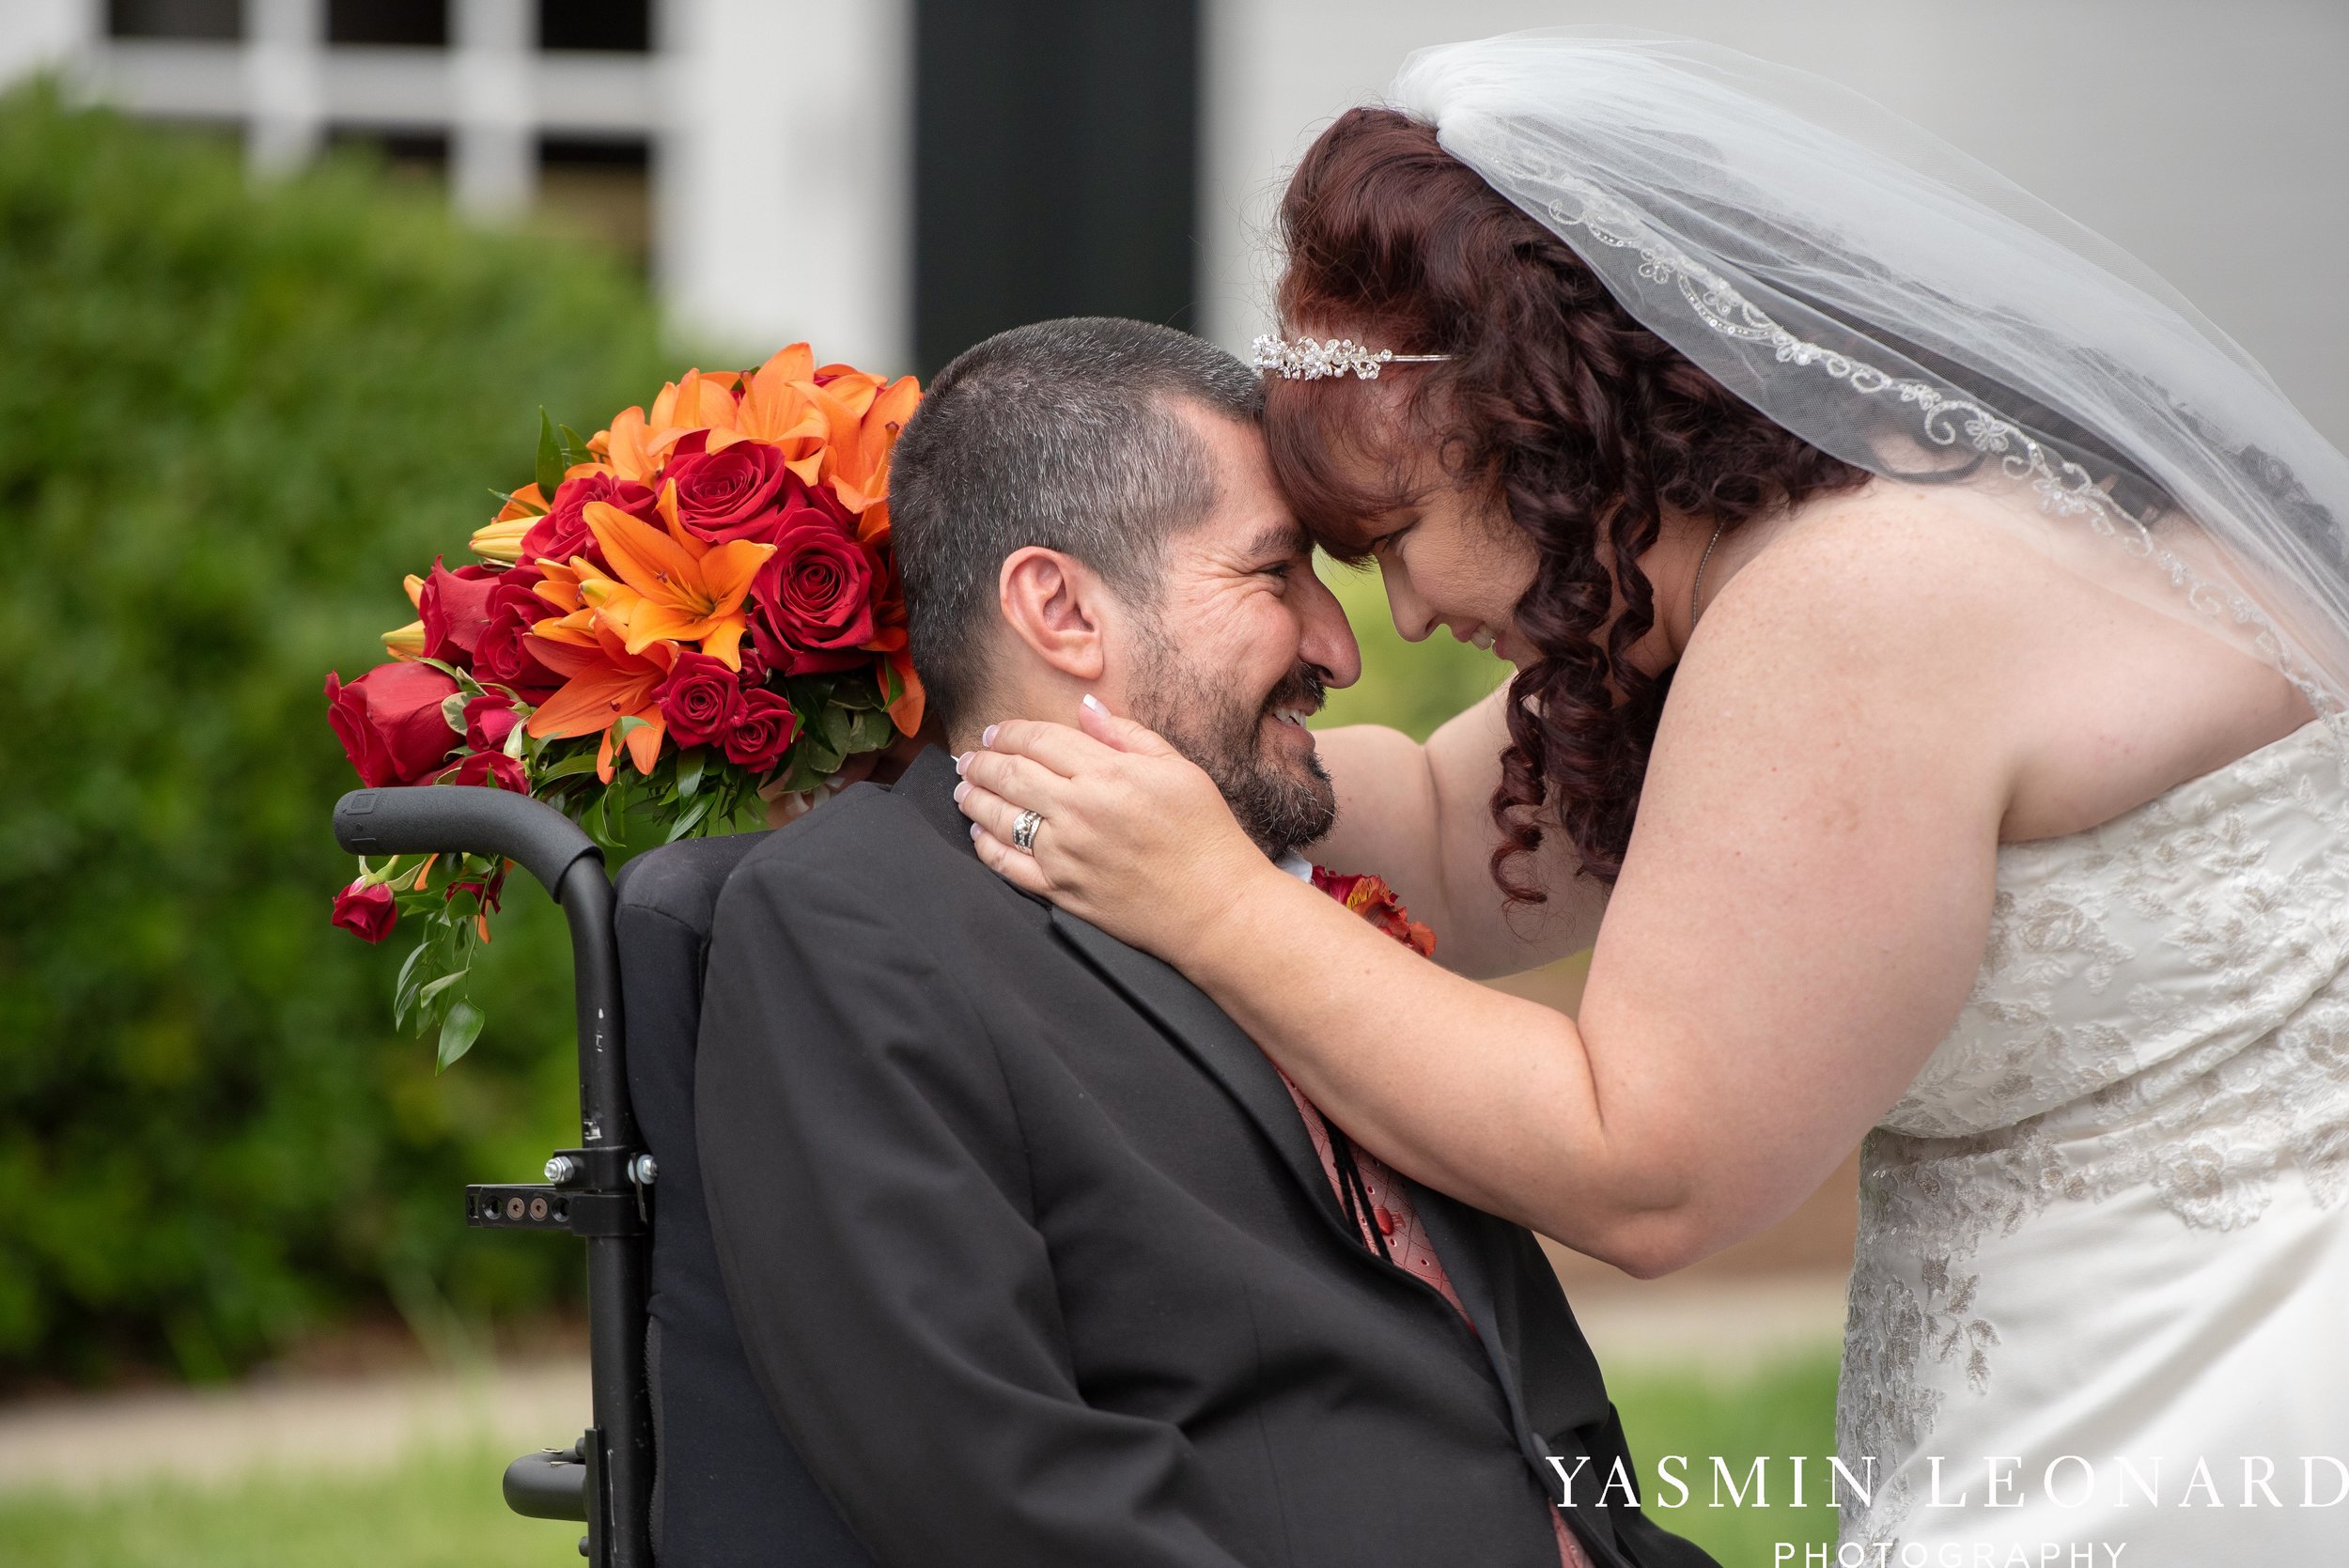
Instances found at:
x=230 y=421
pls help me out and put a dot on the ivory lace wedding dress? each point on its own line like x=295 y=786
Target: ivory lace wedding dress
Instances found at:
x=2106 y=1220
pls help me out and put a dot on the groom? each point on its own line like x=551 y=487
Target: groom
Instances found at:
x=1036 y=1257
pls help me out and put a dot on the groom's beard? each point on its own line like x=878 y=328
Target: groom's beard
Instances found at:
x=1280 y=803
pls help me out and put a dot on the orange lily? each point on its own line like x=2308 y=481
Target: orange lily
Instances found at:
x=696 y=400
x=604 y=683
x=858 y=465
x=906 y=712
x=623 y=445
x=779 y=408
x=672 y=586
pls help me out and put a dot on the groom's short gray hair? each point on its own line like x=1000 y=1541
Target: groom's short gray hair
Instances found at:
x=1063 y=435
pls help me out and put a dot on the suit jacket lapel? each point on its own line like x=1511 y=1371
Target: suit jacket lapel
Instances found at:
x=1459 y=1244
x=1196 y=1024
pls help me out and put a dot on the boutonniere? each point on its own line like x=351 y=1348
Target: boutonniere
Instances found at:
x=1370 y=898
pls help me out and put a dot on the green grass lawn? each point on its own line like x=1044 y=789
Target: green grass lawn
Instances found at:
x=1780 y=1411
x=440 y=1507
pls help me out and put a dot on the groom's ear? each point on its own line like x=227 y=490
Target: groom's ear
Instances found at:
x=1058 y=606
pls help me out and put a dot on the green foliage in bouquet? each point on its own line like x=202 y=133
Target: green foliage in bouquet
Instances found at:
x=231 y=419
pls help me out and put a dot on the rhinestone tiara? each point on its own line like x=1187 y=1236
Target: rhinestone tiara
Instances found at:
x=1311 y=359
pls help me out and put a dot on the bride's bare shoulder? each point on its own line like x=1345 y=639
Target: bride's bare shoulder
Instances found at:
x=1950 y=617
x=1885 y=584
x=1886 y=543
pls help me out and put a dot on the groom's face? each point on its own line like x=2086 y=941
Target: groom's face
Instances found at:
x=1244 y=638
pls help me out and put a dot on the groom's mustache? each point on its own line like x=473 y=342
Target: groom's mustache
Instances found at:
x=1304 y=691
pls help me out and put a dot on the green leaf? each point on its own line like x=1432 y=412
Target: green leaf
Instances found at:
x=858 y=692
x=404 y=989
x=507 y=498
x=581 y=761
x=688 y=772
x=870 y=730
x=693 y=814
x=834 y=724
x=574 y=451
x=459 y=1031
x=811 y=765
x=465 y=683
x=809 y=694
x=603 y=809
x=550 y=457
x=437 y=986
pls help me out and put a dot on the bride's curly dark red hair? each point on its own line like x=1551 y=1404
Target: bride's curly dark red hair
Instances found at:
x=1582 y=423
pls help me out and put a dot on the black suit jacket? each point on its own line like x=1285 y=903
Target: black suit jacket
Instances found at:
x=1035 y=1260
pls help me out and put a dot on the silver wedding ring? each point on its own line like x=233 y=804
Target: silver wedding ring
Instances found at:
x=1023 y=830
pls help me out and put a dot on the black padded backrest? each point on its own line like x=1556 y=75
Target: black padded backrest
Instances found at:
x=729 y=1491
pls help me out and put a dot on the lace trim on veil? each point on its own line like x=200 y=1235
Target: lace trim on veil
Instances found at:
x=2065 y=487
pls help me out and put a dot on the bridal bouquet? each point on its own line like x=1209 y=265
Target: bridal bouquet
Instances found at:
x=682 y=617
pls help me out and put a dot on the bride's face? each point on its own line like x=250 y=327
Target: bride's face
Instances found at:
x=1452 y=558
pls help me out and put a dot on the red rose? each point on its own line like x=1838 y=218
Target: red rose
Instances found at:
x=367 y=914
x=812 y=602
x=488 y=892
x=701 y=699
x=763 y=733
x=489 y=720
x=494 y=769
x=722 y=496
x=503 y=653
x=455 y=606
x=562 y=531
x=389 y=721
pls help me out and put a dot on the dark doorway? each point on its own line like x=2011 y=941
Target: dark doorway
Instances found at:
x=1056 y=165
x=222 y=20
x=619 y=26
x=416 y=24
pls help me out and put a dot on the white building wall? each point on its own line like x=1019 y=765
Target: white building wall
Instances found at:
x=35 y=35
x=783 y=178
x=2211 y=140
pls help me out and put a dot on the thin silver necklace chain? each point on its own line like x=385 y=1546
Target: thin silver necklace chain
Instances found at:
x=1698 y=582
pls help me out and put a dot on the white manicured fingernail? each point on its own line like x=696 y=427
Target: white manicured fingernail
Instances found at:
x=974 y=833
x=987 y=737
x=962 y=763
x=961 y=790
x=1096 y=704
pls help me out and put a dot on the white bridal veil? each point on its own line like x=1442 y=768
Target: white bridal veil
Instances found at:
x=1907 y=309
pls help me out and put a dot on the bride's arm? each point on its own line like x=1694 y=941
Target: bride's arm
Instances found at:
x=1421 y=816
x=1800 y=915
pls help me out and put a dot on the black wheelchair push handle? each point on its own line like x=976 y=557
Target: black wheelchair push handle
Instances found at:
x=449 y=818
x=613 y=1480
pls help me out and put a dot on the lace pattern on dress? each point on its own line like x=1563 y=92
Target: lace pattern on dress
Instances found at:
x=2162 y=1005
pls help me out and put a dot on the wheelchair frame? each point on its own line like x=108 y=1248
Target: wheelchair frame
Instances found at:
x=596 y=1192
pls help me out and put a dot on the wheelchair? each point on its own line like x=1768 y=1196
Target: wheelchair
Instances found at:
x=686 y=1466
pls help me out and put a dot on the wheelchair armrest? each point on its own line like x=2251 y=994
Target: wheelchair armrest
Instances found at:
x=548 y=1485
x=452 y=818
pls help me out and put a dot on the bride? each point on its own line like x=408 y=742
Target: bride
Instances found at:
x=1929 y=649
